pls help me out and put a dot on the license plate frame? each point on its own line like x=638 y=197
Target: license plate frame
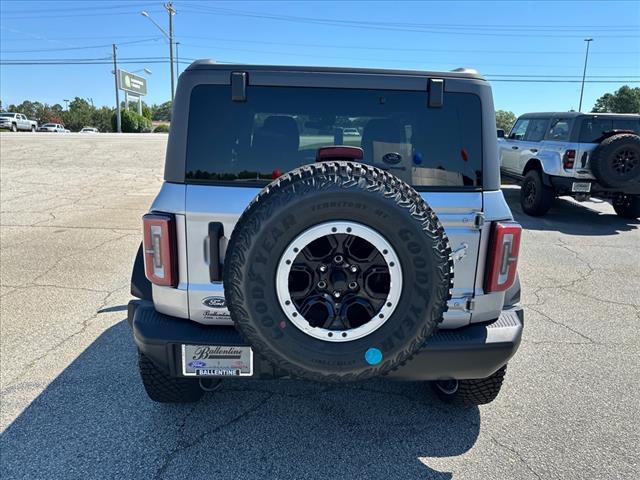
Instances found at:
x=216 y=361
x=581 y=187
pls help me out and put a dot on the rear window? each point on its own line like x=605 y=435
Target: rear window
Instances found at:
x=593 y=127
x=280 y=128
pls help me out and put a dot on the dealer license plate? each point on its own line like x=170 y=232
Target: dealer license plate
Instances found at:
x=581 y=187
x=216 y=361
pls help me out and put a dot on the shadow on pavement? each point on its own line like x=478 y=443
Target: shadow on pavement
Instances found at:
x=95 y=421
x=568 y=217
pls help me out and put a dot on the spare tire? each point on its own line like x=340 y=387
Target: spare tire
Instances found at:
x=616 y=161
x=338 y=272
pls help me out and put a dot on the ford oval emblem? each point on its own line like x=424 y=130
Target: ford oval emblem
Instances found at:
x=214 y=302
x=197 y=364
x=392 y=158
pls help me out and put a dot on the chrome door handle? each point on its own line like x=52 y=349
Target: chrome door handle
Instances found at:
x=514 y=148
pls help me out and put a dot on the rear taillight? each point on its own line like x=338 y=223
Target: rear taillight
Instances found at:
x=502 y=259
x=568 y=159
x=160 y=249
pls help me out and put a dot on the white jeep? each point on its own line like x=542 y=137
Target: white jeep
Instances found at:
x=581 y=155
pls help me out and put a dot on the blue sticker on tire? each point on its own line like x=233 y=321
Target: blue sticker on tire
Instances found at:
x=373 y=356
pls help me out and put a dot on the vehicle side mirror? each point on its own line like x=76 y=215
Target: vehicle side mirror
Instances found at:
x=500 y=133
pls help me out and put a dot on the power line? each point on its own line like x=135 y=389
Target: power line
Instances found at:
x=400 y=49
x=81 y=8
x=86 y=47
x=375 y=59
x=514 y=78
x=392 y=26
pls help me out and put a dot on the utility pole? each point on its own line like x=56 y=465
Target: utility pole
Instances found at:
x=169 y=7
x=66 y=103
x=115 y=76
x=584 y=72
x=177 y=60
x=172 y=11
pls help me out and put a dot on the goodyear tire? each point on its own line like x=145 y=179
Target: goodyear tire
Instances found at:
x=337 y=272
x=616 y=161
x=466 y=393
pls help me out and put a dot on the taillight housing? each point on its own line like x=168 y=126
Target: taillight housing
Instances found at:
x=568 y=159
x=160 y=249
x=502 y=258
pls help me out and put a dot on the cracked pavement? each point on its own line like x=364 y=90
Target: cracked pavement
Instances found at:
x=72 y=405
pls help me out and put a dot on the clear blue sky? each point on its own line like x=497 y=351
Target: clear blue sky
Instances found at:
x=528 y=40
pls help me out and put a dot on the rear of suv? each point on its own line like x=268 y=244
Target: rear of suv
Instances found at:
x=581 y=155
x=280 y=247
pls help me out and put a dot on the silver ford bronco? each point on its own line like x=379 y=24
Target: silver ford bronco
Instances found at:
x=581 y=155
x=280 y=246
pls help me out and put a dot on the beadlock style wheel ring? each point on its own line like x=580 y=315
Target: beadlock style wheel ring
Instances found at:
x=339 y=281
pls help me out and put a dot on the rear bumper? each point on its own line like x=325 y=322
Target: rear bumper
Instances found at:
x=475 y=351
x=562 y=186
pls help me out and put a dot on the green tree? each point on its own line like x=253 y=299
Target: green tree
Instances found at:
x=623 y=100
x=162 y=112
x=28 y=108
x=78 y=115
x=131 y=122
x=505 y=120
x=101 y=119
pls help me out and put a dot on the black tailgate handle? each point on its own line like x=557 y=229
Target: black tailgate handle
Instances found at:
x=216 y=232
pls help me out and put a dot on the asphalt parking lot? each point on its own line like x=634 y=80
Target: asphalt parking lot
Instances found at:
x=72 y=404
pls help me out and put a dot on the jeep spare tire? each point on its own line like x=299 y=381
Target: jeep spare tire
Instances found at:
x=616 y=161
x=337 y=271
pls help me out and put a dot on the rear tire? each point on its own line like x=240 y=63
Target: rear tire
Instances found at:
x=536 y=198
x=162 y=388
x=628 y=208
x=33 y=129
x=470 y=392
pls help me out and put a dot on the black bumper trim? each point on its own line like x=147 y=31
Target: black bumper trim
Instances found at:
x=563 y=186
x=475 y=351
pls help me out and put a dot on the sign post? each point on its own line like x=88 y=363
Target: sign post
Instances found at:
x=134 y=85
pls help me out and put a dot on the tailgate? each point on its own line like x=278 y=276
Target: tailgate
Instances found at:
x=456 y=210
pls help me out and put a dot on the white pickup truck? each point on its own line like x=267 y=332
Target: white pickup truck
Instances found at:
x=17 y=121
x=581 y=155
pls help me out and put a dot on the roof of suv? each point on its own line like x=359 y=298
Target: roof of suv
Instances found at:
x=575 y=114
x=212 y=65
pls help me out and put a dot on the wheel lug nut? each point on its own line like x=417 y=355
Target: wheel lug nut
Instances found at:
x=322 y=284
x=338 y=259
x=353 y=269
x=337 y=294
x=353 y=285
x=323 y=268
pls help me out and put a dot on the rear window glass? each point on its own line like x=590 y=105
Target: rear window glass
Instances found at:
x=559 y=129
x=280 y=128
x=593 y=127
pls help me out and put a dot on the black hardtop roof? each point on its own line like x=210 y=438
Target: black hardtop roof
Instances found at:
x=575 y=114
x=212 y=65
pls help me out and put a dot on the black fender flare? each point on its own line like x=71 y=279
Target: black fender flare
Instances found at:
x=140 y=285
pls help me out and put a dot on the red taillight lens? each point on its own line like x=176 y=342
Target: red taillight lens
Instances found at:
x=502 y=256
x=569 y=159
x=159 y=249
